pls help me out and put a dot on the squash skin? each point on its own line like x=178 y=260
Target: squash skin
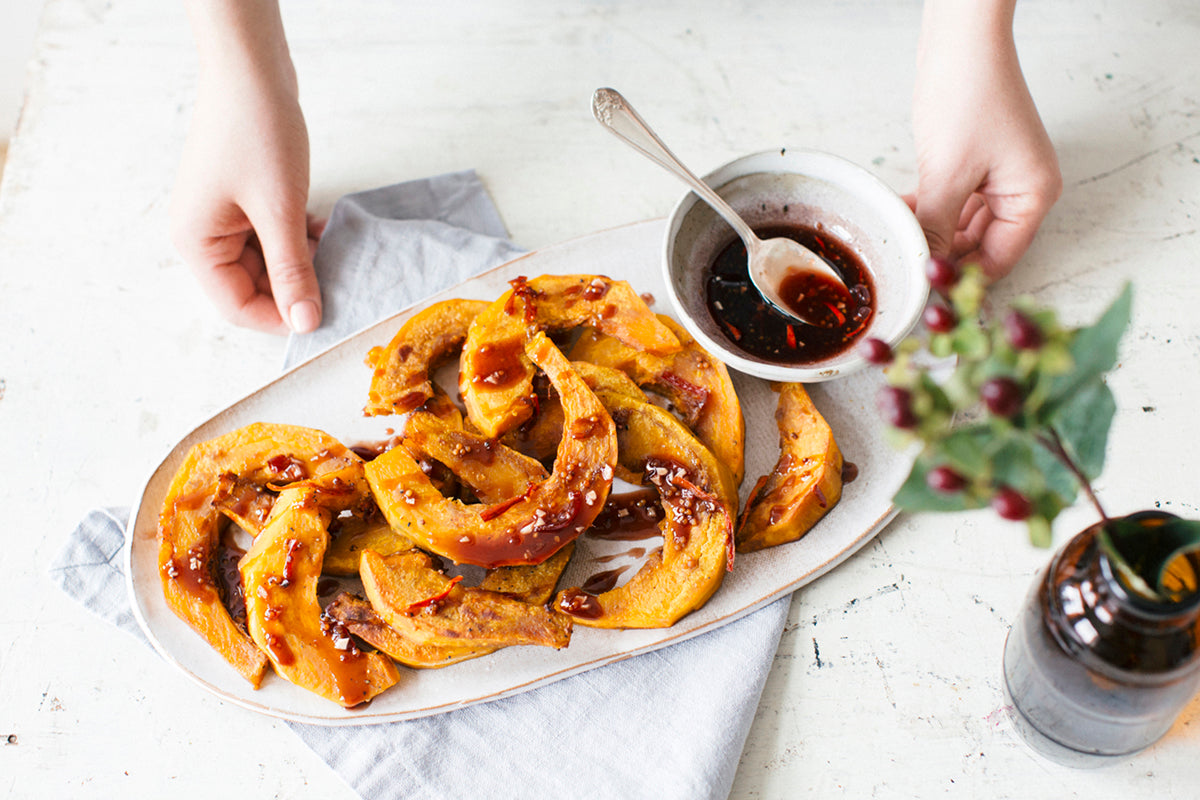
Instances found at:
x=400 y=378
x=280 y=573
x=258 y=455
x=805 y=483
x=526 y=529
x=698 y=495
x=496 y=375
x=697 y=385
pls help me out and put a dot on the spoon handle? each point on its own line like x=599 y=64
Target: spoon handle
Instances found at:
x=613 y=111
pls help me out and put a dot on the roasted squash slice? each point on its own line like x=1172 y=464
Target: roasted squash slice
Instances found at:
x=697 y=385
x=805 y=483
x=698 y=496
x=251 y=459
x=527 y=528
x=358 y=617
x=492 y=470
x=528 y=584
x=279 y=574
x=495 y=376
x=400 y=378
x=429 y=608
x=350 y=536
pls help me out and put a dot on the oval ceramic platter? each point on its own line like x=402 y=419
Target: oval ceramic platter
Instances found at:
x=329 y=391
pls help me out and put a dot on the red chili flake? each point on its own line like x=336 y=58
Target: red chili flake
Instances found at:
x=841 y=318
x=733 y=331
x=496 y=509
x=697 y=396
x=437 y=598
x=791 y=337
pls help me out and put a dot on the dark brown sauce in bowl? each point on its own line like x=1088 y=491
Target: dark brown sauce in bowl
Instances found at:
x=750 y=324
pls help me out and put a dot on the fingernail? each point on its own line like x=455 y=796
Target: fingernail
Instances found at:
x=304 y=316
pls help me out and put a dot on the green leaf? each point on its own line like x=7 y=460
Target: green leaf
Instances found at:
x=1082 y=424
x=1012 y=464
x=1093 y=353
x=1143 y=545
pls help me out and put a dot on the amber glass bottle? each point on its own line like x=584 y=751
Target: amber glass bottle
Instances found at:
x=1094 y=667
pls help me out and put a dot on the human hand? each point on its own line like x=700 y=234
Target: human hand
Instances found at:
x=987 y=171
x=238 y=209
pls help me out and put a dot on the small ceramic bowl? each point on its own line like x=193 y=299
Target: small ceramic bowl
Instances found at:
x=800 y=188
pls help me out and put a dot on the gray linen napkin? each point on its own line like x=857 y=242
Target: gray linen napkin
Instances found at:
x=667 y=724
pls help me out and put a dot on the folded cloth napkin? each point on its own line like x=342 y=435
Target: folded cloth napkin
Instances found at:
x=667 y=724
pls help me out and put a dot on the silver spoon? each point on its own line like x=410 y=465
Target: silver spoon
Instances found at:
x=771 y=260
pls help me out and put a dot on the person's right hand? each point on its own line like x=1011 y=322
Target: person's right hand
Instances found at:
x=238 y=210
x=988 y=174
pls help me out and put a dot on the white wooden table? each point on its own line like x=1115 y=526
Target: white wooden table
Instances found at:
x=887 y=682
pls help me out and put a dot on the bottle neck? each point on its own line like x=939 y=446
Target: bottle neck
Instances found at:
x=1092 y=615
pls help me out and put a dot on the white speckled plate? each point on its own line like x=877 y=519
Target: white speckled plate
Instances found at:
x=328 y=392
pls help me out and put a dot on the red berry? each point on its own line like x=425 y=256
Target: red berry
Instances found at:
x=1011 y=504
x=942 y=274
x=876 y=351
x=895 y=404
x=944 y=479
x=1002 y=396
x=1023 y=333
x=939 y=319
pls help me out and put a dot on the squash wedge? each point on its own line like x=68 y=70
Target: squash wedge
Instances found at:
x=258 y=456
x=280 y=573
x=359 y=618
x=400 y=378
x=429 y=608
x=493 y=471
x=496 y=374
x=697 y=494
x=350 y=536
x=805 y=483
x=527 y=528
x=697 y=385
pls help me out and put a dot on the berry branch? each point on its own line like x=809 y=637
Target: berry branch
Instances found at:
x=1014 y=414
x=1011 y=410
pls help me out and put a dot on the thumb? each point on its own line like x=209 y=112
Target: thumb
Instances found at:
x=284 y=241
x=938 y=209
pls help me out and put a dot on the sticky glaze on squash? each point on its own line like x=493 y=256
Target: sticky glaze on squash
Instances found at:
x=697 y=385
x=280 y=573
x=259 y=456
x=528 y=584
x=495 y=376
x=400 y=378
x=698 y=496
x=525 y=529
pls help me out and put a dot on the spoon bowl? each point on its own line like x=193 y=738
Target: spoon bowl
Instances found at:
x=774 y=263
